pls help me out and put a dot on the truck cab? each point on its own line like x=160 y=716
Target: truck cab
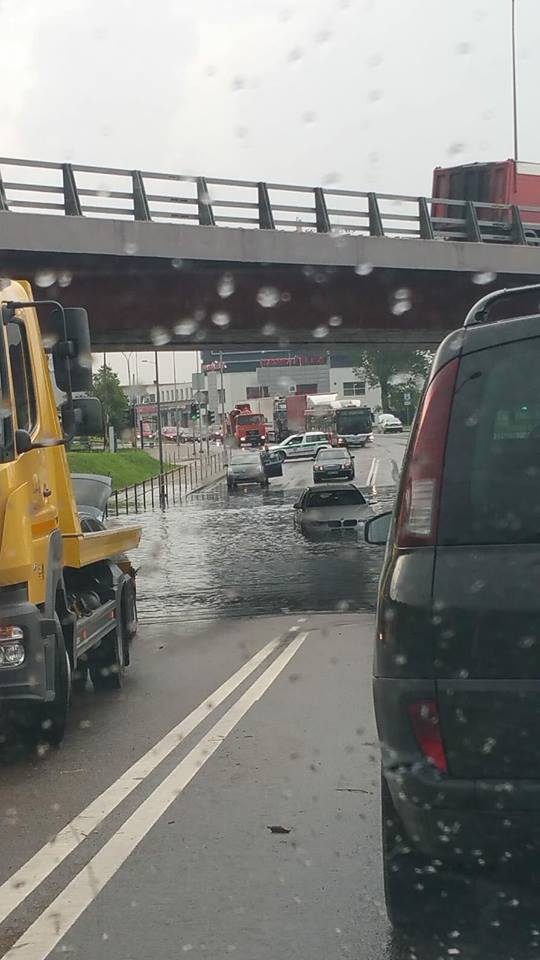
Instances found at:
x=67 y=598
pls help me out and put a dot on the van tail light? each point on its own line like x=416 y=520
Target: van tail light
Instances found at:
x=419 y=511
x=424 y=717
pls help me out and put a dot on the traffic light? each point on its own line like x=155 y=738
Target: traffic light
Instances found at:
x=129 y=419
x=211 y=417
x=194 y=412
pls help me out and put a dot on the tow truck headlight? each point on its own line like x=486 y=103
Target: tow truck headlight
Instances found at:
x=12 y=651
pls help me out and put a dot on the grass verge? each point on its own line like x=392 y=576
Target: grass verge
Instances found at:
x=125 y=467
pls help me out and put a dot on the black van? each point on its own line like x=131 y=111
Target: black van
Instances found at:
x=457 y=654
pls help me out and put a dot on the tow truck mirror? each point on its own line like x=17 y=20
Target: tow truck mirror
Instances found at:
x=87 y=417
x=72 y=358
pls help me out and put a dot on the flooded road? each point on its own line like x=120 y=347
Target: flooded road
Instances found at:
x=222 y=554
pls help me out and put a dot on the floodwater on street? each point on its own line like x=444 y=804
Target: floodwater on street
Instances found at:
x=238 y=554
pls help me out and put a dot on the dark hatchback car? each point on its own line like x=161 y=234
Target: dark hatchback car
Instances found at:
x=457 y=656
x=334 y=464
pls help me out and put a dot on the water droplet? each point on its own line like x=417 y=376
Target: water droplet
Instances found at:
x=402 y=294
x=268 y=297
x=323 y=36
x=309 y=116
x=177 y=264
x=455 y=148
x=333 y=176
x=374 y=96
x=401 y=307
x=49 y=340
x=294 y=55
x=364 y=269
x=185 y=327
x=335 y=321
x=285 y=297
x=160 y=336
x=65 y=278
x=269 y=329
x=130 y=248
x=45 y=278
x=483 y=278
x=463 y=48
x=225 y=287
x=321 y=331
x=221 y=319
x=238 y=83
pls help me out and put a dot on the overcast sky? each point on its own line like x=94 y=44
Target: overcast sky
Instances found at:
x=370 y=94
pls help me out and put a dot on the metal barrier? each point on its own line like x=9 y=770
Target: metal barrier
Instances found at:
x=77 y=190
x=165 y=489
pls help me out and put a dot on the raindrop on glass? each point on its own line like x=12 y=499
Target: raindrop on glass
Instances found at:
x=335 y=321
x=221 y=319
x=160 y=336
x=65 y=278
x=321 y=331
x=483 y=278
x=45 y=278
x=225 y=287
x=363 y=269
x=185 y=327
x=285 y=297
x=130 y=248
x=177 y=264
x=269 y=329
x=401 y=307
x=268 y=297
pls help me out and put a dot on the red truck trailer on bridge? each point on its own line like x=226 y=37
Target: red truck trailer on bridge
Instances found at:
x=505 y=182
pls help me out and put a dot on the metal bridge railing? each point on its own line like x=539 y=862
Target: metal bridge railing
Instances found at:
x=77 y=190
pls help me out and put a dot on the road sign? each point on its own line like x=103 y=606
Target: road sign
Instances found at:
x=406 y=397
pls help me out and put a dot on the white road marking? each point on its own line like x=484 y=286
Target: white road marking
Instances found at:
x=372 y=472
x=57 y=919
x=21 y=883
x=375 y=472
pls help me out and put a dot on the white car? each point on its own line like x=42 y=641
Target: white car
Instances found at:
x=332 y=508
x=388 y=423
x=303 y=445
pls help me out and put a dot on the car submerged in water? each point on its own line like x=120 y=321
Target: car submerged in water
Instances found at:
x=255 y=469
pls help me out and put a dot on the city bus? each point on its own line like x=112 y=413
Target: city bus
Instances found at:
x=345 y=421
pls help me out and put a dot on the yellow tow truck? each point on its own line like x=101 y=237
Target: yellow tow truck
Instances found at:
x=67 y=597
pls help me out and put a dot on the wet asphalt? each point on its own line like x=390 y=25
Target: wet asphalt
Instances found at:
x=292 y=747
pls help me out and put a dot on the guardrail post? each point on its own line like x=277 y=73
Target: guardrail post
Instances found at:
x=206 y=214
x=136 y=500
x=376 y=228
x=472 y=228
x=426 y=226
x=3 y=199
x=141 y=210
x=127 y=504
x=517 y=231
x=116 y=501
x=266 y=217
x=144 y=493
x=72 y=204
x=321 y=213
x=152 y=490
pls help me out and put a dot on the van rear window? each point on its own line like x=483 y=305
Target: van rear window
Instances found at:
x=491 y=485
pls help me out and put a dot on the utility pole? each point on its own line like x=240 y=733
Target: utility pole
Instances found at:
x=514 y=81
x=175 y=399
x=199 y=402
x=222 y=392
x=160 y=438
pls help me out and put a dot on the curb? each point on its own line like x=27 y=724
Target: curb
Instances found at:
x=211 y=482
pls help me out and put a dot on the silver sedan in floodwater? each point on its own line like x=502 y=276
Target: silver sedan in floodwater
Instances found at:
x=331 y=508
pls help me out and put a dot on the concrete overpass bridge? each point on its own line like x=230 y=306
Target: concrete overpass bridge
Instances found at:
x=176 y=260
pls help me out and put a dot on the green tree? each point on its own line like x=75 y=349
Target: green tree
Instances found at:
x=106 y=386
x=380 y=365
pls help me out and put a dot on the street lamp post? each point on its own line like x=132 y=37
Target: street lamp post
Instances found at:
x=175 y=399
x=222 y=392
x=514 y=80
x=162 y=497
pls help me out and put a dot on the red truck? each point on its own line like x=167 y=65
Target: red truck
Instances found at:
x=504 y=182
x=247 y=427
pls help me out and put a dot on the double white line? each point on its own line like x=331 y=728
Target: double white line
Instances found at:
x=55 y=921
x=373 y=470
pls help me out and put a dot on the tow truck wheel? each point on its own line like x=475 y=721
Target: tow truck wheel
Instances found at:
x=52 y=716
x=107 y=666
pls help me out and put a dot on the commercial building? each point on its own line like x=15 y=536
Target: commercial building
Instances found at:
x=232 y=378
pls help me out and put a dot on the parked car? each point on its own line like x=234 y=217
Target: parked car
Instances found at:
x=335 y=464
x=457 y=660
x=303 y=445
x=331 y=508
x=169 y=434
x=388 y=423
x=254 y=468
